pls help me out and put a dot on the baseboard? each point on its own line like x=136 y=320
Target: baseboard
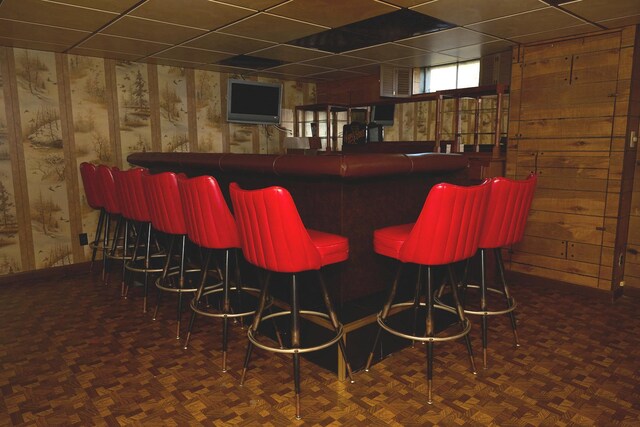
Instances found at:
x=46 y=274
x=513 y=278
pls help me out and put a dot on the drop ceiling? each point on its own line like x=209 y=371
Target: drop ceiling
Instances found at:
x=300 y=39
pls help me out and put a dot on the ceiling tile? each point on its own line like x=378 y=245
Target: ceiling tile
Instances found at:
x=228 y=43
x=173 y=62
x=253 y=4
x=288 y=53
x=337 y=75
x=192 y=55
x=272 y=75
x=601 y=10
x=41 y=33
x=122 y=44
x=447 y=39
x=192 y=13
x=271 y=28
x=386 y=52
x=338 y=61
x=117 y=6
x=620 y=22
x=554 y=34
x=225 y=69
x=478 y=50
x=297 y=69
x=541 y=20
x=406 y=3
x=144 y=29
x=331 y=13
x=104 y=54
x=34 y=45
x=59 y=15
x=425 y=60
x=369 y=69
x=463 y=12
x=247 y=36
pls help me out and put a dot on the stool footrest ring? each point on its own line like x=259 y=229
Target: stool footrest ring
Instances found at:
x=335 y=339
x=173 y=288
x=465 y=330
x=491 y=312
x=217 y=289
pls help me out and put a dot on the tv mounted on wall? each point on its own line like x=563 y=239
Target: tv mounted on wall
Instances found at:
x=253 y=102
x=383 y=114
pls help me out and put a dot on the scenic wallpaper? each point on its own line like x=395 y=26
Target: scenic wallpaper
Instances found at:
x=58 y=110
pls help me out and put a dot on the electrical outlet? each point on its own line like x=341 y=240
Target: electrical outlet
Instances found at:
x=84 y=239
x=622 y=284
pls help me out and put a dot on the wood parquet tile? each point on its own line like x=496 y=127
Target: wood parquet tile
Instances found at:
x=73 y=353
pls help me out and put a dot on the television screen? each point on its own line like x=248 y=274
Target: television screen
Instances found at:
x=383 y=114
x=253 y=102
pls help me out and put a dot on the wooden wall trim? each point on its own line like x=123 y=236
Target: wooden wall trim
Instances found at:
x=154 y=107
x=111 y=88
x=192 y=112
x=23 y=210
x=69 y=148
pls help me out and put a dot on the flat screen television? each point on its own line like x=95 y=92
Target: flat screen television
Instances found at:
x=383 y=114
x=253 y=102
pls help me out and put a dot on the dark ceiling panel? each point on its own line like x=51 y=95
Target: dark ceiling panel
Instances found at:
x=385 y=28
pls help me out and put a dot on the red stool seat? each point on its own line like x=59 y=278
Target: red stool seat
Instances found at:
x=503 y=225
x=107 y=187
x=88 y=172
x=389 y=240
x=167 y=216
x=331 y=247
x=135 y=210
x=274 y=239
x=212 y=227
x=446 y=231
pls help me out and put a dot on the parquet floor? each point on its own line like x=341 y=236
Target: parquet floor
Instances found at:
x=73 y=353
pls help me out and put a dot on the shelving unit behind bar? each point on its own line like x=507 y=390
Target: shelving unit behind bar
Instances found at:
x=328 y=120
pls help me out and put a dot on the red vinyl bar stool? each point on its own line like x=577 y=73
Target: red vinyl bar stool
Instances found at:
x=274 y=239
x=135 y=210
x=211 y=226
x=88 y=172
x=446 y=231
x=107 y=187
x=503 y=225
x=167 y=216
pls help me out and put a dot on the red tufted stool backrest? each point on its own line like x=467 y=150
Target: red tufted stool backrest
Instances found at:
x=207 y=217
x=88 y=172
x=448 y=227
x=507 y=211
x=272 y=234
x=163 y=200
x=133 y=203
x=107 y=188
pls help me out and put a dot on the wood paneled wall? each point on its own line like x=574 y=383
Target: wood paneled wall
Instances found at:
x=58 y=110
x=570 y=115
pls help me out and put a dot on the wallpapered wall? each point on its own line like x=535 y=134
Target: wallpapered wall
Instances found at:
x=61 y=110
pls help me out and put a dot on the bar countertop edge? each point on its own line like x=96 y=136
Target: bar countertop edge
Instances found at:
x=342 y=166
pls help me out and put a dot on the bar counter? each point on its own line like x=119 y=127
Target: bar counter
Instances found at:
x=346 y=194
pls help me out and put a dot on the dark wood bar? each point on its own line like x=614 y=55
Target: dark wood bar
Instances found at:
x=349 y=195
